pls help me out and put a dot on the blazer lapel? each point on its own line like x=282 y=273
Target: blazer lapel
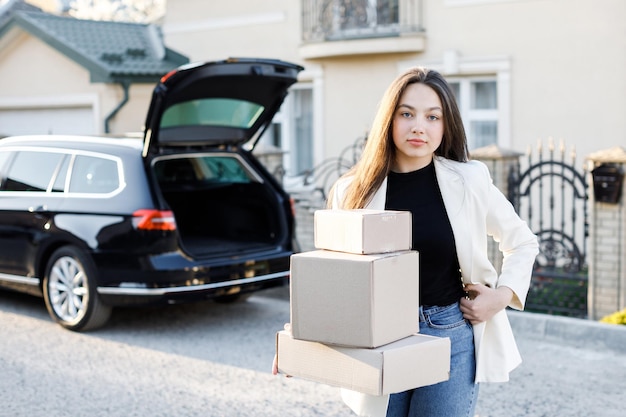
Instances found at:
x=454 y=196
x=452 y=189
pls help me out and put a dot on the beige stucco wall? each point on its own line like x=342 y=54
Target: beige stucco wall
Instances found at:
x=566 y=59
x=208 y=30
x=61 y=82
x=131 y=117
x=58 y=74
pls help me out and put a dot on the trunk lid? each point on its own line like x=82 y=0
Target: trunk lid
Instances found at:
x=216 y=104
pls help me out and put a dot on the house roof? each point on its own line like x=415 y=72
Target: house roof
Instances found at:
x=111 y=51
x=9 y=8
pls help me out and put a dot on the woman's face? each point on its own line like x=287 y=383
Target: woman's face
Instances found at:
x=417 y=127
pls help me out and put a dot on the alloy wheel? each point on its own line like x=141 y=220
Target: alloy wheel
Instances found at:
x=68 y=289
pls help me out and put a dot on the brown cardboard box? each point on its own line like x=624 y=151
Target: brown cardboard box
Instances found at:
x=354 y=300
x=412 y=362
x=362 y=231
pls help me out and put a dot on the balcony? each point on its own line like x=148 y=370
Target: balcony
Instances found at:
x=332 y=28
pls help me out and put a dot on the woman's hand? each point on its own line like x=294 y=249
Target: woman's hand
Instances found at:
x=275 y=366
x=483 y=302
x=287 y=327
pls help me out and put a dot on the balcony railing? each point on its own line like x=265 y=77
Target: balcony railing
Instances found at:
x=334 y=20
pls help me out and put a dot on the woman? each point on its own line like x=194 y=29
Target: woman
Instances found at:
x=416 y=159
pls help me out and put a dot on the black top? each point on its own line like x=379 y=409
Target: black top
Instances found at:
x=418 y=192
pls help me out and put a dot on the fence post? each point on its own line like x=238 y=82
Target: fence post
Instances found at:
x=501 y=163
x=607 y=240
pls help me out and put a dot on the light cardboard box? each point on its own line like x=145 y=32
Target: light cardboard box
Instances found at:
x=362 y=231
x=412 y=362
x=354 y=300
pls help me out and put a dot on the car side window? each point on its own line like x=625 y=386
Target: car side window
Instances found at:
x=94 y=175
x=223 y=169
x=202 y=170
x=61 y=177
x=4 y=157
x=32 y=171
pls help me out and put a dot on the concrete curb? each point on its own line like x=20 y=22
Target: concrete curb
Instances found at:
x=580 y=333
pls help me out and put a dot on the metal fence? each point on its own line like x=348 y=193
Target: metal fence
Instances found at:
x=551 y=195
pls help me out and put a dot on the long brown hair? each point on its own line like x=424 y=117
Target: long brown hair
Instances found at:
x=379 y=152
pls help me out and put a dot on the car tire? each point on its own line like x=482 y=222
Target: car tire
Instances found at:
x=70 y=291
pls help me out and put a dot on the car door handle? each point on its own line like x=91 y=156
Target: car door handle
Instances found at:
x=39 y=209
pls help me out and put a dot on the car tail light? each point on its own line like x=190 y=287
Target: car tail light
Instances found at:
x=292 y=204
x=148 y=219
x=168 y=75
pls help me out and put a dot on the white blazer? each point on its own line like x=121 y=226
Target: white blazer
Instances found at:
x=476 y=209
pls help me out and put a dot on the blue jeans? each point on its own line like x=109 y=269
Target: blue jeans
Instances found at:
x=457 y=396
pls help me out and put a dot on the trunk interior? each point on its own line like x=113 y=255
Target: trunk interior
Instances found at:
x=225 y=218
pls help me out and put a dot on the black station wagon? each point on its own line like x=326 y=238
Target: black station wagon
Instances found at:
x=184 y=214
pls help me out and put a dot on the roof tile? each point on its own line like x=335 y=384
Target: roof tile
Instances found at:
x=110 y=50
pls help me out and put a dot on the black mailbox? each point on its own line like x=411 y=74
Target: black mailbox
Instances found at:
x=607 y=183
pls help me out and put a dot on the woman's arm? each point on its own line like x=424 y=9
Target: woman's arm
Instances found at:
x=519 y=248
x=517 y=243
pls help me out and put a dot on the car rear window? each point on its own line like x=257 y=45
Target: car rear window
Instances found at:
x=212 y=112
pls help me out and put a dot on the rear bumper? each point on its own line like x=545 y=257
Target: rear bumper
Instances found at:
x=120 y=296
x=169 y=279
x=156 y=292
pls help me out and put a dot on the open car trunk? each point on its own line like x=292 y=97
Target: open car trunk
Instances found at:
x=220 y=205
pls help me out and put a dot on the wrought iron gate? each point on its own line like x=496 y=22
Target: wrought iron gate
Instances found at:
x=551 y=195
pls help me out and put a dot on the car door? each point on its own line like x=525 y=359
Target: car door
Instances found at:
x=29 y=196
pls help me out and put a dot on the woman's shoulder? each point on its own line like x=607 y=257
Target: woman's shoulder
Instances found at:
x=469 y=168
x=343 y=182
x=338 y=190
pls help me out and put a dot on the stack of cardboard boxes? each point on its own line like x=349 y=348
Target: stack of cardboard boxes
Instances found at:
x=354 y=308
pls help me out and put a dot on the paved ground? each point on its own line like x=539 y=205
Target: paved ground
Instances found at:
x=572 y=367
x=214 y=360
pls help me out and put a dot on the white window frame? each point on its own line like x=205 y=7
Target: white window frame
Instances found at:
x=454 y=67
x=468 y=114
x=290 y=144
x=309 y=79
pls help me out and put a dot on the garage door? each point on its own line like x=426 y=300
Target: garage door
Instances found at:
x=62 y=120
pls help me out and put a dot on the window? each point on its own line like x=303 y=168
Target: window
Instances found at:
x=4 y=157
x=358 y=14
x=32 y=171
x=292 y=130
x=302 y=130
x=478 y=103
x=330 y=20
x=223 y=169
x=202 y=170
x=94 y=175
x=61 y=177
